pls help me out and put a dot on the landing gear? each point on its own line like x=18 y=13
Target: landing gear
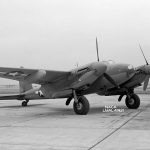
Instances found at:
x=132 y=101
x=25 y=103
x=81 y=107
x=68 y=101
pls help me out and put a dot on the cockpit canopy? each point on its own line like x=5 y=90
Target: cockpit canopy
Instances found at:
x=109 y=62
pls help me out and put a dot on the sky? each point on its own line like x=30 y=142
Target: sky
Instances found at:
x=58 y=34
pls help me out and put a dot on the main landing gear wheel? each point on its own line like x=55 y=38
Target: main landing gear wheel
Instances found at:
x=133 y=101
x=25 y=103
x=82 y=106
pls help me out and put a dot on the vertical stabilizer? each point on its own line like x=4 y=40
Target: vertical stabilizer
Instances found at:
x=23 y=86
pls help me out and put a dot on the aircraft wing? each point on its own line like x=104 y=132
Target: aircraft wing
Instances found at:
x=32 y=75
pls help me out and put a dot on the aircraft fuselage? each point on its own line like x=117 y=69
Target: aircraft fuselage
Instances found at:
x=90 y=79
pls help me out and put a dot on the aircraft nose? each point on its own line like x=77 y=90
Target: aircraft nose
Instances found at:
x=99 y=68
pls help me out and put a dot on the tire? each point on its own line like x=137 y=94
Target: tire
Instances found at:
x=82 y=107
x=133 y=102
x=24 y=104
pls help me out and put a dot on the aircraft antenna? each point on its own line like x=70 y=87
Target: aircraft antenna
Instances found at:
x=77 y=64
x=97 y=50
x=143 y=54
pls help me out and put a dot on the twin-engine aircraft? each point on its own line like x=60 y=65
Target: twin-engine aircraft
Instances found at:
x=101 y=77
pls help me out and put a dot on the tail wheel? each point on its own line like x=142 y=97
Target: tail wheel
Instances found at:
x=25 y=103
x=133 y=102
x=82 y=106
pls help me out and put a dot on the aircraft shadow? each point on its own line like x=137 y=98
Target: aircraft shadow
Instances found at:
x=69 y=111
x=64 y=112
x=19 y=106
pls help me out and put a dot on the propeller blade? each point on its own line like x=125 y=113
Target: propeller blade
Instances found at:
x=143 y=54
x=97 y=50
x=146 y=82
x=111 y=80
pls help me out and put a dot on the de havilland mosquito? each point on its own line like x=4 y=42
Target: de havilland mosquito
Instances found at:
x=101 y=77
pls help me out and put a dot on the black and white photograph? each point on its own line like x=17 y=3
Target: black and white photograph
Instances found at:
x=74 y=74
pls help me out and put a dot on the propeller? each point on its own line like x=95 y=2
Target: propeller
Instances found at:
x=146 y=82
x=97 y=50
x=146 y=69
x=107 y=76
x=143 y=55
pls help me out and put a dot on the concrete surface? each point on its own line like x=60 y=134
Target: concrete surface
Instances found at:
x=50 y=125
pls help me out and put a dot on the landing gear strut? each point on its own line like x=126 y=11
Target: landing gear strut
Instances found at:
x=25 y=103
x=68 y=101
x=132 y=101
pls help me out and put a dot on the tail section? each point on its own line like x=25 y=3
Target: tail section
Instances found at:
x=23 y=86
